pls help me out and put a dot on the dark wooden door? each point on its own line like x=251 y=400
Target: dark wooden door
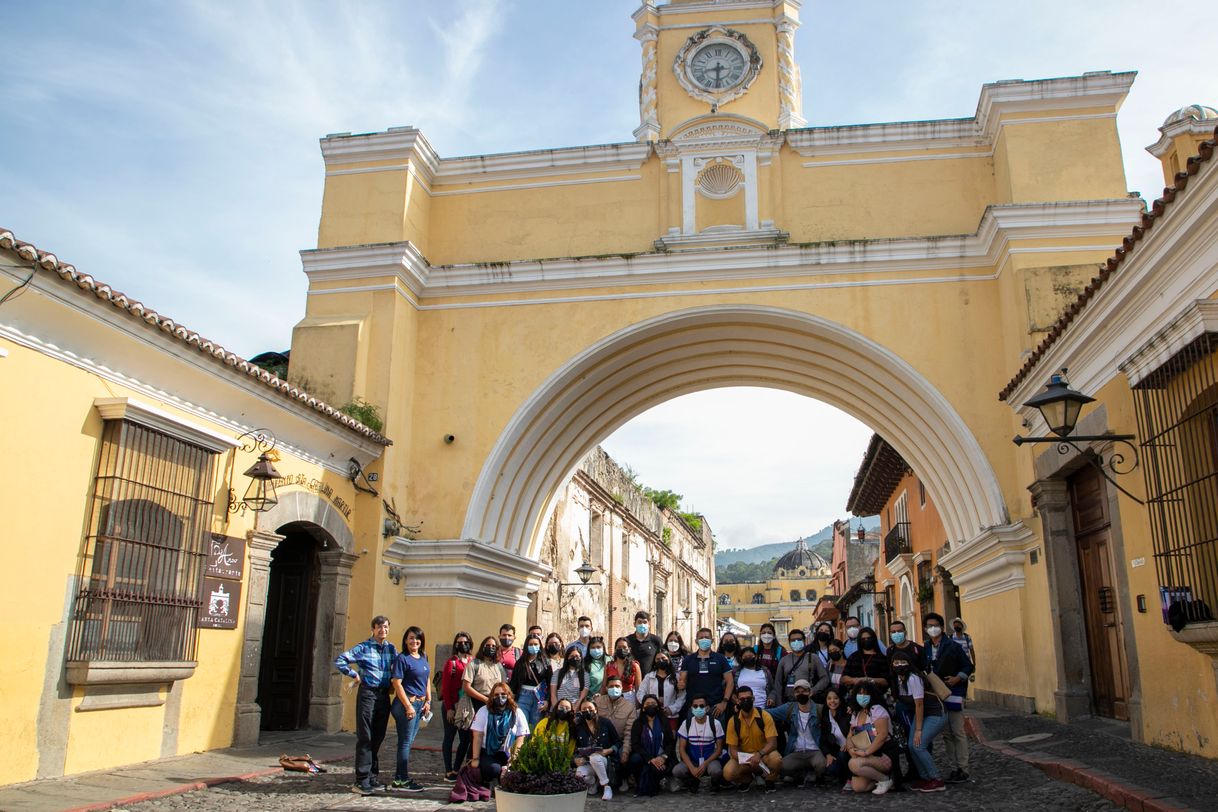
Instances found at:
x=287 y=642
x=1101 y=603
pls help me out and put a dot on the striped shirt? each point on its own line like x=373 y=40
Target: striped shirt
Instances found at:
x=700 y=738
x=373 y=660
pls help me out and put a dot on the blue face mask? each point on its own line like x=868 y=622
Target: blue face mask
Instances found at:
x=699 y=713
x=704 y=644
x=596 y=653
x=797 y=645
x=614 y=693
x=534 y=649
x=641 y=628
x=898 y=638
x=863 y=700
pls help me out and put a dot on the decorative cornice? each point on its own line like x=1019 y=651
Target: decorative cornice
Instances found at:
x=991 y=563
x=1198 y=318
x=981 y=131
x=1172 y=131
x=136 y=411
x=465 y=569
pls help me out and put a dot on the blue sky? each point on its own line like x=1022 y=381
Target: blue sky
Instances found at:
x=170 y=149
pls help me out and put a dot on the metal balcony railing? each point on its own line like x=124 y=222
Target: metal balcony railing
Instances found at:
x=897 y=542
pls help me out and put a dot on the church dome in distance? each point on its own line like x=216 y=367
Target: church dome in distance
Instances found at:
x=1200 y=112
x=801 y=558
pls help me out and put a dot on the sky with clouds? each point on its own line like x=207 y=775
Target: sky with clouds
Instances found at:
x=170 y=149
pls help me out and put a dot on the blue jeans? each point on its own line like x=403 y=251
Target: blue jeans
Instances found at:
x=527 y=702
x=931 y=727
x=407 y=729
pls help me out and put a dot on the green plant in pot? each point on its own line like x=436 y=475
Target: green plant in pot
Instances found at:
x=542 y=767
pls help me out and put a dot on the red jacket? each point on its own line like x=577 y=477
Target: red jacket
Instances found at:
x=450 y=681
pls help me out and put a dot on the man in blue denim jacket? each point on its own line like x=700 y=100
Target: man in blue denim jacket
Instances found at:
x=373 y=658
x=802 y=761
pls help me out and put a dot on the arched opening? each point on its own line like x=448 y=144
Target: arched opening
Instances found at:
x=713 y=347
x=285 y=673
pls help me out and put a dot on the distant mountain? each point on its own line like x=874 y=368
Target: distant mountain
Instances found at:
x=820 y=542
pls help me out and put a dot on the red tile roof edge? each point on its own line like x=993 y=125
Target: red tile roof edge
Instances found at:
x=880 y=460
x=45 y=260
x=1157 y=210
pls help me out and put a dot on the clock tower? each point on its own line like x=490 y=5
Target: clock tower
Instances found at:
x=734 y=58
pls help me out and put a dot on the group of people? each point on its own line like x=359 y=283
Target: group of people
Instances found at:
x=651 y=712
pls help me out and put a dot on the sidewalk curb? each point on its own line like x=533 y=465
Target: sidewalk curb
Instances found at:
x=1130 y=796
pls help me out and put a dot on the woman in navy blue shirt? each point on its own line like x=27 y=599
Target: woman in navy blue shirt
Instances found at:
x=410 y=677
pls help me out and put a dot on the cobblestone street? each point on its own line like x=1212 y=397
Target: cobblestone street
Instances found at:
x=999 y=783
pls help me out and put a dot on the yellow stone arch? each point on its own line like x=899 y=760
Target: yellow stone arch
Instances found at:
x=701 y=348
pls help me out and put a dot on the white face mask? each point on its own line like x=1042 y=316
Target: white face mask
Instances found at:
x=934 y=631
x=852 y=632
x=584 y=631
x=767 y=638
x=674 y=646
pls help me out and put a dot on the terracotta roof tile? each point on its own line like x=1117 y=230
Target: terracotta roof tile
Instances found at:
x=878 y=476
x=47 y=261
x=1157 y=209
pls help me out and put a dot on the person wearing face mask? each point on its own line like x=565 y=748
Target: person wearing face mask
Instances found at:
x=802 y=760
x=374 y=658
x=823 y=633
x=554 y=651
x=535 y=631
x=700 y=742
x=614 y=707
x=925 y=713
x=530 y=682
x=963 y=638
x=624 y=666
x=868 y=743
x=729 y=647
x=597 y=745
x=800 y=663
x=750 y=673
x=559 y=725
x=482 y=673
x=836 y=667
x=707 y=674
x=594 y=664
x=643 y=644
x=674 y=644
x=498 y=730
x=853 y=627
x=450 y=692
x=901 y=642
x=867 y=662
x=508 y=653
x=947 y=659
x=769 y=651
x=652 y=751
x=663 y=684
x=752 y=743
x=583 y=631
x=569 y=682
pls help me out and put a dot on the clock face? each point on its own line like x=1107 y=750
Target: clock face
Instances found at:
x=717 y=66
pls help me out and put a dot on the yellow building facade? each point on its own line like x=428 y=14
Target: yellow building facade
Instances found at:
x=140 y=584
x=787 y=599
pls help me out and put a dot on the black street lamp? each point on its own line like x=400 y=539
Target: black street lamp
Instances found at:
x=1060 y=406
x=585 y=571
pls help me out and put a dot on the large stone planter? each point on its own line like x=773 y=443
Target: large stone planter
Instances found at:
x=515 y=802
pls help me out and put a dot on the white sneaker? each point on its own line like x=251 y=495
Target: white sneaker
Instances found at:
x=882 y=787
x=607 y=795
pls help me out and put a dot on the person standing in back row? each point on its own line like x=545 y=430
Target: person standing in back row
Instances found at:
x=643 y=644
x=374 y=658
x=947 y=659
x=707 y=674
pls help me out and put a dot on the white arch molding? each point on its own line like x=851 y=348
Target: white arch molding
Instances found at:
x=711 y=347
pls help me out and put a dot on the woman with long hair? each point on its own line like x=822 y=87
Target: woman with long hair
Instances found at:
x=554 y=650
x=662 y=683
x=530 y=682
x=558 y=725
x=499 y=728
x=870 y=728
x=729 y=647
x=652 y=748
x=569 y=682
x=483 y=672
x=594 y=664
x=769 y=651
x=625 y=666
x=927 y=717
x=450 y=692
x=674 y=644
x=834 y=728
x=597 y=745
x=410 y=683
